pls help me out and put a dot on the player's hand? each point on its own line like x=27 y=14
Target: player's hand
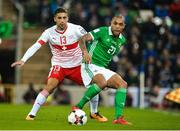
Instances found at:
x=86 y=57
x=17 y=63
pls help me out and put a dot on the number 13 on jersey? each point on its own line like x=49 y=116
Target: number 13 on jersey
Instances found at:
x=63 y=40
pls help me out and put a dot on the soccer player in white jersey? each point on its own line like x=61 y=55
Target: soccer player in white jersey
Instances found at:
x=66 y=60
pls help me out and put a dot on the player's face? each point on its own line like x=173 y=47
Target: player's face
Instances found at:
x=61 y=20
x=117 y=25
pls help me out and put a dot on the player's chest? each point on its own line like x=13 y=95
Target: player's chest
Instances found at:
x=63 y=39
x=110 y=42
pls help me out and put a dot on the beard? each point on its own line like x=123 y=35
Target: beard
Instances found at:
x=61 y=27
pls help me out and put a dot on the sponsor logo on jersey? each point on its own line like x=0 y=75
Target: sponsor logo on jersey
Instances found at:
x=95 y=70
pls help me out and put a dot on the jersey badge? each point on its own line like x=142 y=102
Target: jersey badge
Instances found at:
x=64 y=47
x=54 y=38
x=113 y=42
x=108 y=40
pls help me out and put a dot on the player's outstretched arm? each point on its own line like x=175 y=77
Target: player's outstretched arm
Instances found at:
x=17 y=63
x=30 y=52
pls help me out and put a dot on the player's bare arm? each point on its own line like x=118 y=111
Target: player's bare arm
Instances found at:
x=82 y=43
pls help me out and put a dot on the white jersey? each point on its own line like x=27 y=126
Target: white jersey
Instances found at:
x=64 y=45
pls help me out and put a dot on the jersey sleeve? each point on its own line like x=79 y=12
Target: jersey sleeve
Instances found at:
x=36 y=46
x=80 y=31
x=44 y=38
x=31 y=51
x=96 y=33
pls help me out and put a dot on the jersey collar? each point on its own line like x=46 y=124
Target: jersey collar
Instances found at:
x=61 y=32
x=110 y=32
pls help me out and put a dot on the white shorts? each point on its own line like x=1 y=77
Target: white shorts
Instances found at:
x=90 y=70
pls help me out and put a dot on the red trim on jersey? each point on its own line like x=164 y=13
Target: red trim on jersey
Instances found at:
x=41 y=42
x=61 y=32
x=66 y=47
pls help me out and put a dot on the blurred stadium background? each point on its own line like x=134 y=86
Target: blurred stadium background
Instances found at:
x=149 y=62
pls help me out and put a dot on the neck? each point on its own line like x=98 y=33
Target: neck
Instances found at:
x=60 y=29
x=115 y=35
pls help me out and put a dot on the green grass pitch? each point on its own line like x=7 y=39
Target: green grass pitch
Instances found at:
x=12 y=117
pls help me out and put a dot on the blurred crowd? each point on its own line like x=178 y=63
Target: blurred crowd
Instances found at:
x=152 y=32
x=60 y=96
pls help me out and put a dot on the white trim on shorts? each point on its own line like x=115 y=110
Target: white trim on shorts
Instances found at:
x=90 y=70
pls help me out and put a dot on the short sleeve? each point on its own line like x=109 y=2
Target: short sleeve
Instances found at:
x=96 y=33
x=80 y=31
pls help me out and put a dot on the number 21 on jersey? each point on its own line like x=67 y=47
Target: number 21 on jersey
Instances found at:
x=111 y=50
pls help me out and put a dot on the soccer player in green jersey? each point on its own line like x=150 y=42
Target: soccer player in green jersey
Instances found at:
x=103 y=44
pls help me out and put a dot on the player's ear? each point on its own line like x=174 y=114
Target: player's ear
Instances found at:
x=54 y=19
x=124 y=25
x=111 y=22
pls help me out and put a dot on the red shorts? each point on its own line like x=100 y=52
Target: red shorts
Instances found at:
x=60 y=73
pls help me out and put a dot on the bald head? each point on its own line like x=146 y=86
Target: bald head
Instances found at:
x=119 y=17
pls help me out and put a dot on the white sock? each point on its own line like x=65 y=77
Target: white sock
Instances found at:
x=40 y=100
x=94 y=104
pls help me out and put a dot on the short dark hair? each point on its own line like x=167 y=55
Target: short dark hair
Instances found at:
x=60 y=10
x=119 y=16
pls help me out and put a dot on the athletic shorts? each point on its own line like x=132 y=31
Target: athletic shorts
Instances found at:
x=90 y=70
x=60 y=73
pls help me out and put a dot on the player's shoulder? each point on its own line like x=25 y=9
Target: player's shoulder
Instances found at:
x=101 y=29
x=122 y=38
x=104 y=27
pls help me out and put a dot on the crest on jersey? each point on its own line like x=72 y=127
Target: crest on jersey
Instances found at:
x=108 y=40
x=64 y=47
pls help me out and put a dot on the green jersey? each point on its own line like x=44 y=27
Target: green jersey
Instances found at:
x=104 y=46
